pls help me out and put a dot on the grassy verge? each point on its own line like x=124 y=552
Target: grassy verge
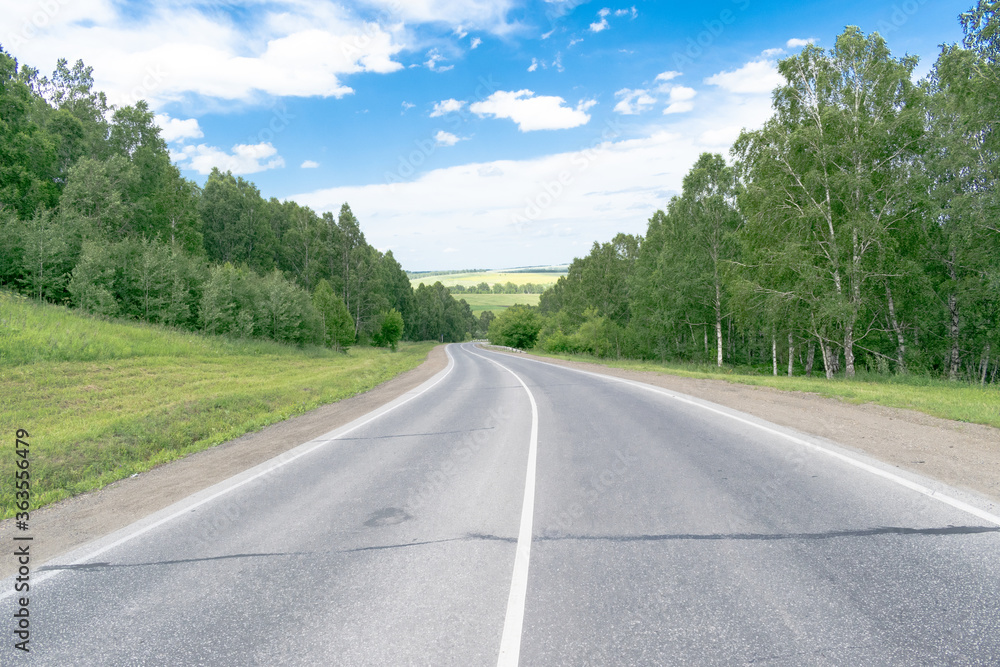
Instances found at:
x=939 y=398
x=104 y=400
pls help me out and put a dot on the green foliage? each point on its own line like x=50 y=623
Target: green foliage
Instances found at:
x=335 y=322
x=390 y=329
x=485 y=319
x=518 y=327
x=137 y=279
x=438 y=316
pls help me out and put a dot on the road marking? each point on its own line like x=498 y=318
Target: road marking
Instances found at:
x=266 y=468
x=510 y=642
x=885 y=474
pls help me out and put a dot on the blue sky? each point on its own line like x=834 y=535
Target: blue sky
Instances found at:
x=483 y=133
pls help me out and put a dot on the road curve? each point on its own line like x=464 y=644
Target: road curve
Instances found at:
x=634 y=528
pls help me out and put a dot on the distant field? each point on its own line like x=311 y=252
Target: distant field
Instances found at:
x=490 y=277
x=497 y=302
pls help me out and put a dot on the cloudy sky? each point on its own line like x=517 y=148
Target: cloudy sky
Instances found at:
x=473 y=133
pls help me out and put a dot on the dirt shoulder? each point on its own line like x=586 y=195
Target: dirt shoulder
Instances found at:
x=73 y=522
x=965 y=456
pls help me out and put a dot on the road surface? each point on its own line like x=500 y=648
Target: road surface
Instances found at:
x=513 y=512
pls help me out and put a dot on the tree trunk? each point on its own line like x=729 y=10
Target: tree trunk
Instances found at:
x=827 y=359
x=955 y=356
x=810 y=358
x=986 y=365
x=718 y=326
x=774 y=353
x=791 y=354
x=896 y=327
x=849 y=350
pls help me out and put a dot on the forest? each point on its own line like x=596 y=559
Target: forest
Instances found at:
x=856 y=231
x=94 y=215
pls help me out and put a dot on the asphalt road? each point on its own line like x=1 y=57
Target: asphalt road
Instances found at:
x=529 y=514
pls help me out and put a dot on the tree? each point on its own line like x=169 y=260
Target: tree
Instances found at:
x=27 y=152
x=390 y=329
x=517 y=327
x=335 y=321
x=828 y=181
x=47 y=256
x=485 y=319
x=235 y=223
x=96 y=193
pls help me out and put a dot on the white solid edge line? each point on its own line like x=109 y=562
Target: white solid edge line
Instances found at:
x=885 y=474
x=510 y=642
x=185 y=505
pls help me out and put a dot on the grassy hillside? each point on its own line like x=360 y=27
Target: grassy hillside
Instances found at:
x=104 y=400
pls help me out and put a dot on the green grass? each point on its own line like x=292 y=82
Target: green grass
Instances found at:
x=490 y=277
x=939 y=398
x=497 y=302
x=104 y=400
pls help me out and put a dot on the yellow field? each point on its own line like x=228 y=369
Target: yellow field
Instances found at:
x=490 y=277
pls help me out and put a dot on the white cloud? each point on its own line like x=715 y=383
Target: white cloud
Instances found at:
x=633 y=102
x=447 y=106
x=667 y=76
x=532 y=112
x=433 y=58
x=504 y=213
x=244 y=158
x=407 y=106
x=603 y=23
x=309 y=164
x=682 y=94
x=631 y=11
x=771 y=53
x=796 y=43
x=175 y=50
x=446 y=138
x=534 y=65
x=475 y=43
x=720 y=137
x=678 y=107
x=175 y=129
x=490 y=15
x=680 y=100
x=574 y=42
x=757 y=76
x=449 y=250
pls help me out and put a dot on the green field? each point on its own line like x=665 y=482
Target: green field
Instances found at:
x=490 y=277
x=938 y=398
x=103 y=400
x=497 y=302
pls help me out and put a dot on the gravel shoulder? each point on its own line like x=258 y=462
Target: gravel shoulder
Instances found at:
x=962 y=455
x=63 y=526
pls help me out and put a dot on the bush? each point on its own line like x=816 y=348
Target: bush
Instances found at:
x=390 y=329
x=518 y=326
